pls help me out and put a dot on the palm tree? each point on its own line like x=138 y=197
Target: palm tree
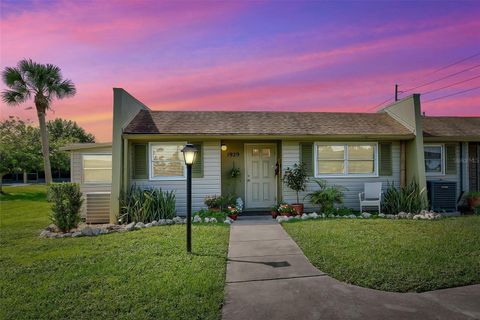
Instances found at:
x=43 y=82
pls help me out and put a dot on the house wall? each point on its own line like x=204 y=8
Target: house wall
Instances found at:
x=451 y=177
x=291 y=155
x=210 y=184
x=76 y=173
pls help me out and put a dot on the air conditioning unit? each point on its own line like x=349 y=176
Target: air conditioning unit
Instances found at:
x=442 y=195
x=98 y=207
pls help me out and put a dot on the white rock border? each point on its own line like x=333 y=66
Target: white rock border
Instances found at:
x=423 y=215
x=86 y=230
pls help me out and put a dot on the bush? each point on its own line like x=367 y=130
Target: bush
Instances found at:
x=407 y=199
x=326 y=196
x=205 y=213
x=220 y=202
x=146 y=205
x=67 y=202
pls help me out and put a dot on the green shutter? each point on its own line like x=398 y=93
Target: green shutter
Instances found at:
x=385 y=159
x=306 y=156
x=450 y=159
x=197 y=167
x=140 y=161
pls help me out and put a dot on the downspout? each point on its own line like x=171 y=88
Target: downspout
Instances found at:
x=461 y=174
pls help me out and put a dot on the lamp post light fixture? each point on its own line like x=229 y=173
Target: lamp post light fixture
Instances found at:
x=189 y=155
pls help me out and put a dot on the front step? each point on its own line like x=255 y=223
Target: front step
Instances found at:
x=256 y=213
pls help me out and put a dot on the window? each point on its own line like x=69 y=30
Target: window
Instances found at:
x=346 y=159
x=97 y=168
x=166 y=160
x=433 y=159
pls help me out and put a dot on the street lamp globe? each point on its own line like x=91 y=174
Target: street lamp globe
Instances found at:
x=189 y=153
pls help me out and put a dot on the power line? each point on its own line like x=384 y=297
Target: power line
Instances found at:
x=378 y=105
x=451 y=85
x=448 y=66
x=453 y=94
x=443 y=78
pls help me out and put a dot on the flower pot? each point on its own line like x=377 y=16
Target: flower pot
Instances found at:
x=298 y=207
x=214 y=209
x=473 y=202
x=274 y=214
x=233 y=216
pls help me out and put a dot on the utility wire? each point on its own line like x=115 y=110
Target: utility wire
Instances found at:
x=450 y=85
x=378 y=105
x=448 y=66
x=453 y=94
x=442 y=78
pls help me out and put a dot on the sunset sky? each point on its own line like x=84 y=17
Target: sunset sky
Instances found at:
x=247 y=55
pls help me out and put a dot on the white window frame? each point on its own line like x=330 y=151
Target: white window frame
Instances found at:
x=442 y=162
x=345 y=159
x=83 y=168
x=150 y=162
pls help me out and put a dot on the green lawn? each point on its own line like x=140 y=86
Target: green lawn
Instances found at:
x=394 y=255
x=144 y=274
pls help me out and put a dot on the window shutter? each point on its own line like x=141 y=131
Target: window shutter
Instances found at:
x=140 y=161
x=197 y=167
x=306 y=156
x=450 y=159
x=385 y=159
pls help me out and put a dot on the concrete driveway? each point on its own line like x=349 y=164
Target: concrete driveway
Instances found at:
x=268 y=277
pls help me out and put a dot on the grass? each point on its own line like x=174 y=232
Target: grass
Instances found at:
x=394 y=255
x=144 y=274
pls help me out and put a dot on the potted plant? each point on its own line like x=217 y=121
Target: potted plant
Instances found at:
x=286 y=210
x=213 y=202
x=232 y=212
x=326 y=196
x=296 y=179
x=274 y=211
x=473 y=199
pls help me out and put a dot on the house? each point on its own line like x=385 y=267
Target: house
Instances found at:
x=394 y=146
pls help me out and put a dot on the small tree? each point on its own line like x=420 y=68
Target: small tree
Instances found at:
x=326 y=196
x=296 y=178
x=67 y=202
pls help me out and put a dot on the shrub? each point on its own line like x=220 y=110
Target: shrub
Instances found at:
x=67 y=202
x=477 y=210
x=407 y=199
x=146 y=205
x=205 y=213
x=473 y=194
x=296 y=178
x=220 y=202
x=326 y=197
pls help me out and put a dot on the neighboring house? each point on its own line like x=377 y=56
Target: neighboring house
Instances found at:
x=394 y=146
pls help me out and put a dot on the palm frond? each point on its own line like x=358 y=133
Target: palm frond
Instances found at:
x=13 y=97
x=65 y=88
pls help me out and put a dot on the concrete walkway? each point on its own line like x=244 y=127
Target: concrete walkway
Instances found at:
x=268 y=277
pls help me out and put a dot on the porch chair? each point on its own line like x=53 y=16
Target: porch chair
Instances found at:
x=372 y=195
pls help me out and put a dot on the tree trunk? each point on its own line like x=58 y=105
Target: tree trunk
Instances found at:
x=45 y=147
x=25 y=177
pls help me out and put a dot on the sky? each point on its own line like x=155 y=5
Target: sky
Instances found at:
x=247 y=55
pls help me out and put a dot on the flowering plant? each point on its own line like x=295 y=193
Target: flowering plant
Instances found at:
x=213 y=201
x=285 y=209
x=232 y=210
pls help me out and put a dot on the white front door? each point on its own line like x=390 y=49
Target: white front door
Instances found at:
x=261 y=183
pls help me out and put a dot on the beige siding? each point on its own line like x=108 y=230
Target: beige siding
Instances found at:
x=291 y=155
x=76 y=174
x=210 y=184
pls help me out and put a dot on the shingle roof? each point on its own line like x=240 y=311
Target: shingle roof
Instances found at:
x=452 y=127
x=264 y=123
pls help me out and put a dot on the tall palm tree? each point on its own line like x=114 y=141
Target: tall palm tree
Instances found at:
x=43 y=82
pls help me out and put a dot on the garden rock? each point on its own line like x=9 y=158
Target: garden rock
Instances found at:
x=352 y=216
x=213 y=220
x=87 y=231
x=96 y=231
x=162 y=222
x=305 y=216
x=366 y=215
x=313 y=215
x=381 y=215
x=197 y=219
x=207 y=220
x=227 y=222
x=76 y=234
x=148 y=225
x=139 y=225
x=130 y=226
x=178 y=220
x=169 y=221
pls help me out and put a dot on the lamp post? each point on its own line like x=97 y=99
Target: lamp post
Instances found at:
x=189 y=154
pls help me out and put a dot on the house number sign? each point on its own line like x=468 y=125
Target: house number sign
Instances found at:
x=233 y=154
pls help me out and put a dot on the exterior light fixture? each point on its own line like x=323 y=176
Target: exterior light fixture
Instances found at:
x=189 y=155
x=224 y=147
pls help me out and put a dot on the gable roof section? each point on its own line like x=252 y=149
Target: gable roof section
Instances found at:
x=461 y=128
x=265 y=123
